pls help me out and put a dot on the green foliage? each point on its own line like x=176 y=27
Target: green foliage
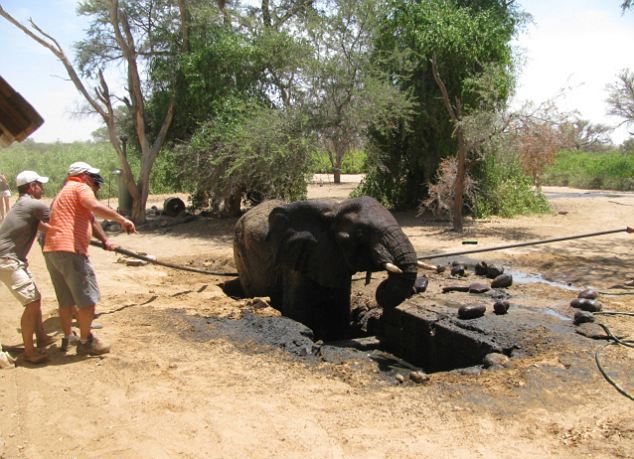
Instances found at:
x=504 y=190
x=52 y=160
x=627 y=147
x=248 y=147
x=609 y=171
x=353 y=163
x=466 y=38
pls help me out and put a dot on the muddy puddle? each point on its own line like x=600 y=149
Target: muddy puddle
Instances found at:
x=253 y=333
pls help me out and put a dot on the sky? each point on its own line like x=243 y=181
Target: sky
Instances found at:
x=578 y=46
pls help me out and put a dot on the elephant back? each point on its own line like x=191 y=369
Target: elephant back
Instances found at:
x=254 y=258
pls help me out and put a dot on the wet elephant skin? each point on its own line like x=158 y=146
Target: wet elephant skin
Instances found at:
x=303 y=255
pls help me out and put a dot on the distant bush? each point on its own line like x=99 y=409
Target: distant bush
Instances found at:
x=52 y=160
x=608 y=171
x=504 y=190
x=353 y=163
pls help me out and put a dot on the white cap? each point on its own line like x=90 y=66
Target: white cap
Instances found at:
x=26 y=177
x=80 y=167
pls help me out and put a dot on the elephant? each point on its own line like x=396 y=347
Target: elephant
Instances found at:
x=303 y=255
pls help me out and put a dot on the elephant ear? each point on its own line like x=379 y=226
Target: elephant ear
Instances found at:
x=300 y=233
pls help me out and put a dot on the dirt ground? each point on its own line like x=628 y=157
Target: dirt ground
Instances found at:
x=171 y=389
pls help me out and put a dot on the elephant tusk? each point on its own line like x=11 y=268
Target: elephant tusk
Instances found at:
x=392 y=268
x=426 y=266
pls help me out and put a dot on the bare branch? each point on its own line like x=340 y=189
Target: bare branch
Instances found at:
x=58 y=52
x=443 y=90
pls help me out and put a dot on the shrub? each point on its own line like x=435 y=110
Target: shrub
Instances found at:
x=353 y=163
x=248 y=148
x=612 y=170
x=504 y=189
x=52 y=160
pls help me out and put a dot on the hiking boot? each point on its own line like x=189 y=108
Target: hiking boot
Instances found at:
x=93 y=346
x=70 y=340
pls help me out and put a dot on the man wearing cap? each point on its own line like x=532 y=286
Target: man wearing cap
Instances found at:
x=17 y=234
x=66 y=253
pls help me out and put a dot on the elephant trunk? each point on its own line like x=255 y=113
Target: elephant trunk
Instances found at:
x=398 y=286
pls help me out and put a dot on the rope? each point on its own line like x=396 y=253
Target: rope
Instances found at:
x=606 y=376
x=617 y=341
x=520 y=244
x=153 y=260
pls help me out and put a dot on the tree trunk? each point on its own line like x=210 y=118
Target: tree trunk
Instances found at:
x=232 y=203
x=337 y=165
x=458 y=201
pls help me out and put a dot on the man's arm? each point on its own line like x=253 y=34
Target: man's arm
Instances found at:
x=99 y=233
x=101 y=210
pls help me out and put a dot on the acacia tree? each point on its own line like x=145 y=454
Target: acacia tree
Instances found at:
x=621 y=97
x=347 y=93
x=137 y=34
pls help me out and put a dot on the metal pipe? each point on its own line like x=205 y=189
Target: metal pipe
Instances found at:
x=153 y=260
x=520 y=244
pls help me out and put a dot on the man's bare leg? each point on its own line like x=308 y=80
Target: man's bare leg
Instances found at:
x=85 y=317
x=43 y=338
x=28 y=324
x=66 y=319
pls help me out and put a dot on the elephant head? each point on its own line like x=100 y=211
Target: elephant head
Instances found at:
x=328 y=242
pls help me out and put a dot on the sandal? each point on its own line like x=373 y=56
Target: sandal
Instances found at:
x=35 y=358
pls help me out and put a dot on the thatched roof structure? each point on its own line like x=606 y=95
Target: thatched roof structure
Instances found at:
x=18 y=119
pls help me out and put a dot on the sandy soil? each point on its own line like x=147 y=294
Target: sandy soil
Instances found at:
x=169 y=389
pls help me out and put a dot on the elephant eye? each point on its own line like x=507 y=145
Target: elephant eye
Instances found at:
x=362 y=233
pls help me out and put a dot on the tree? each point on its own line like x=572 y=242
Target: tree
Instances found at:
x=140 y=35
x=626 y=5
x=465 y=37
x=583 y=135
x=249 y=149
x=621 y=97
x=345 y=90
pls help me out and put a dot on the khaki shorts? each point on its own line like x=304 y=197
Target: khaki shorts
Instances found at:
x=16 y=276
x=73 y=279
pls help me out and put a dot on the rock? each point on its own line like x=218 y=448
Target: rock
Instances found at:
x=455 y=288
x=494 y=271
x=478 y=287
x=399 y=378
x=591 y=330
x=470 y=371
x=458 y=270
x=419 y=377
x=586 y=305
x=582 y=317
x=496 y=359
x=588 y=294
x=135 y=262
x=502 y=281
x=421 y=284
x=475 y=287
x=501 y=307
x=481 y=268
x=471 y=311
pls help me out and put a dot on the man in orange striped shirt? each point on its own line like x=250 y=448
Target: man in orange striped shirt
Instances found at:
x=66 y=253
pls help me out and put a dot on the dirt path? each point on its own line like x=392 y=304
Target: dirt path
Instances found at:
x=172 y=389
